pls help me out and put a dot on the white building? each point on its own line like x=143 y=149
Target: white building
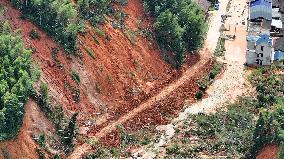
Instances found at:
x=259 y=50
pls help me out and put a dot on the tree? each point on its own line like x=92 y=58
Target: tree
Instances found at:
x=70 y=133
x=192 y=19
x=169 y=34
x=57 y=17
x=16 y=79
x=180 y=26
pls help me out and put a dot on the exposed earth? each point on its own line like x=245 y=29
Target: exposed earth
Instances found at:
x=129 y=83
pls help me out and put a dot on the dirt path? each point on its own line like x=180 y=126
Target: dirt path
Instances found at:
x=205 y=56
x=226 y=89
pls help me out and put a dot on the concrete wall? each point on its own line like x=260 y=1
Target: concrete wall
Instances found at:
x=267 y=53
x=251 y=54
x=251 y=57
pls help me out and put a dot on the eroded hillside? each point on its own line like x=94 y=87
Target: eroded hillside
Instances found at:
x=126 y=70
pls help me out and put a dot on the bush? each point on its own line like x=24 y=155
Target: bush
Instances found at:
x=40 y=153
x=216 y=69
x=220 y=49
x=34 y=34
x=90 y=52
x=199 y=95
x=100 y=32
x=75 y=76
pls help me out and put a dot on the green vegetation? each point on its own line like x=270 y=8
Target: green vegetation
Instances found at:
x=34 y=34
x=100 y=32
x=220 y=48
x=75 y=76
x=269 y=86
x=5 y=153
x=56 y=115
x=179 y=26
x=2 y=10
x=207 y=80
x=269 y=128
x=239 y=130
x=222 y=132
x=74 y=90
x=40 y=153
x=90 y=52
x=94 y=10
x=131 y=36
x=199 y=95
x=128 y=140
x=57 y=17
x=16 y=80
x=69 y=134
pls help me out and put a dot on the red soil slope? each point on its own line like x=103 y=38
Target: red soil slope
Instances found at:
x=122 y=75
x=268 y=152
x=119 y=79
x=23 y=146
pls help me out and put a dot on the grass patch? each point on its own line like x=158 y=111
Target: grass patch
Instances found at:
x=96 y=40
x=131 y=36
x=100 y=32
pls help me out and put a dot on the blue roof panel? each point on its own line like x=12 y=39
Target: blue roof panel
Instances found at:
x=264 y=38
x=278 y=55
x=261 y=2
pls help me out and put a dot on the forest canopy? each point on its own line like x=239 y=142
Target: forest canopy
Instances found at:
x=15 y=80
x=57 y=17
x=179 y=26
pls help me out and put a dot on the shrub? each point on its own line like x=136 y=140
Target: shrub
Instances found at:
x=199 y=95
x=100 y=32
x=34 y=34
x=75 y=76
x=90 y=52
x=123 y=2
x=41 y=140
x=98 y=87
x=40 y=153
x=220 y=48
x=216 y=69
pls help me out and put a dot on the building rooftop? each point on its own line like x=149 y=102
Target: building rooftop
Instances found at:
x=267 y=3
x=264 y=38
x=278 y=56
x=261 y=9
x=277 y=23
x=252 y=38
x=276 y=13
x=203 y=4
